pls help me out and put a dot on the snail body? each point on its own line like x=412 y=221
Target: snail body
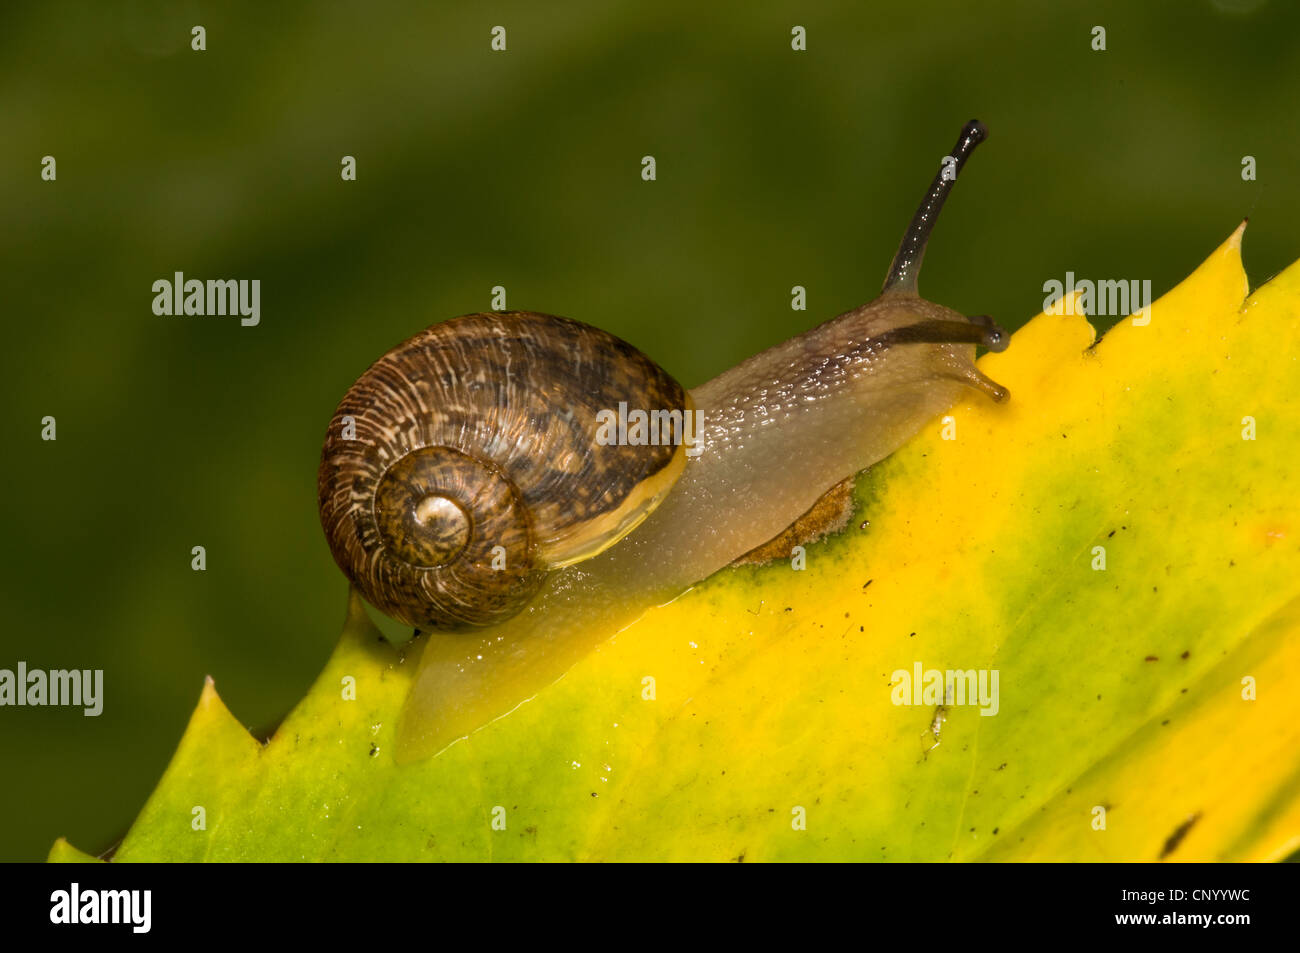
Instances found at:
x=497 y=411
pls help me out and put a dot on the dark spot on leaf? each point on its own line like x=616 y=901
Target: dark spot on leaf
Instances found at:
x=1152 y=658
x=1185 y=654
x=1176 y=838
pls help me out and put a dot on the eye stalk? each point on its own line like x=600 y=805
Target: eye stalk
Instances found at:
x=981 y=330
x=907 y=263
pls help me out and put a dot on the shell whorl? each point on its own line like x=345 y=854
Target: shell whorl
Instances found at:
x=464 y=464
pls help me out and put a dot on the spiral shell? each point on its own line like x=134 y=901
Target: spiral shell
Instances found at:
x=464 y=464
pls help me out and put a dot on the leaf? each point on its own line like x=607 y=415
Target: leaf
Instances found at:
x=1119 y=688
x=64 y=853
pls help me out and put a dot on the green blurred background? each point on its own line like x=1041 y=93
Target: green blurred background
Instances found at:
x=519 y=169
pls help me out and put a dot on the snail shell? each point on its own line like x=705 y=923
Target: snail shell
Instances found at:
x=464 y=464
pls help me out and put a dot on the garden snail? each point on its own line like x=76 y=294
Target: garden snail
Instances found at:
x=462 y=486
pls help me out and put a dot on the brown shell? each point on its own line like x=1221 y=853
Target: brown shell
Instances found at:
x=475 y=444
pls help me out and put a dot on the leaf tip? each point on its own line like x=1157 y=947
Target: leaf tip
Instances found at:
x=1060 y=332
x=212 y=718
x=1231 y=270
x=64 y=853
x=208 y=697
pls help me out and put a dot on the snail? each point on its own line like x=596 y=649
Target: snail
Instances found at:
x=464 y=490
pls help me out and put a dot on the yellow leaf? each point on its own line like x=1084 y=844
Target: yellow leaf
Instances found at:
x=1119 y=543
